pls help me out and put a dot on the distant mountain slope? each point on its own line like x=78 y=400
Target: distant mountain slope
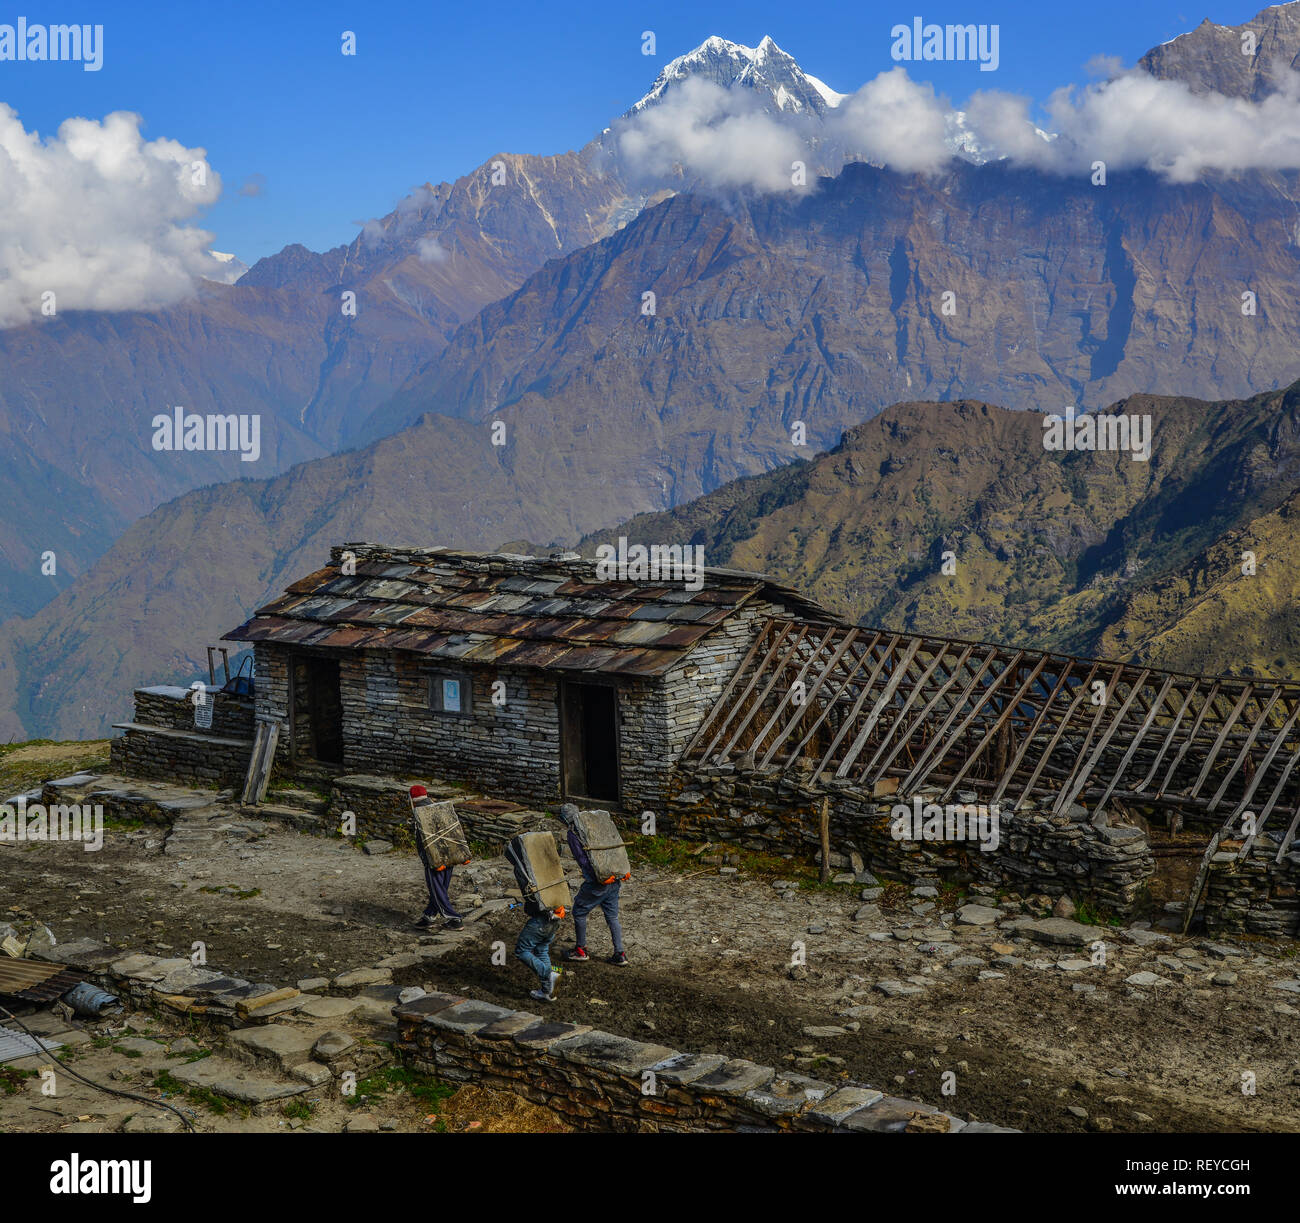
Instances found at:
x=1212 y=58
x=1072 y=551
x=1046 y=544
x=1209 y=616
x=981 y=282
x=77 y=392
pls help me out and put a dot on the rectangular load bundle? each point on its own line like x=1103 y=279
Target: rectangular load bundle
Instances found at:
x=536 y=862
x=439 y=830
x=600 y=837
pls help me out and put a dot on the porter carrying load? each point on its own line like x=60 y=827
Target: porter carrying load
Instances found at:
x=438 y=830
x=600 y=838
x=538 y=872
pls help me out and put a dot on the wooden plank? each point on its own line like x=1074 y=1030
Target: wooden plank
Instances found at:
x=1198 y=883
x=874 y=716
x=720 y=704
x=1066 y=798
x=857 y=705
x=831 y=703
x=1245 y=750
x=789 y=694
x=1168 y=740
x=925 y=711
x=778 y=667
x=989 y=692
x=1191 y=737
x=1152 y=711
x=739 y=702
x=1223 y=734
x=259 y=762
x=980 y=672
x=1027 y=742
x=996 y=728
x=824 y=833
x=917 y=689
x=1079 y=696
x=1273 y=748
x=809 y=696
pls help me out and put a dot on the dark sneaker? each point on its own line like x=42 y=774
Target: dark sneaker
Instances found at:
x=619 y=958
x=577 y=953
x=424 y=922
x=452 y=923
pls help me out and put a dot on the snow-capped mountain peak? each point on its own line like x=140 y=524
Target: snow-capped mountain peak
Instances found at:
x=766 y=69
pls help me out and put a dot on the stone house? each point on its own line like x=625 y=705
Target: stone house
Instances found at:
x=530 y=678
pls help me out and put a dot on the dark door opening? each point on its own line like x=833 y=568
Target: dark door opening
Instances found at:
x=325 y=709
x=589 y=740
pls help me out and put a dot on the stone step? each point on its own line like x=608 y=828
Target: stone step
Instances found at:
x=240 y=1081
x=276 y=1045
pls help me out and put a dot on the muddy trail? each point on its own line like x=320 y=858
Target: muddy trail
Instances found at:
x=709 y=970
x=750 y=1012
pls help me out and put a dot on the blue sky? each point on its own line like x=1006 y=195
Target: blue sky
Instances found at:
x=436 y=89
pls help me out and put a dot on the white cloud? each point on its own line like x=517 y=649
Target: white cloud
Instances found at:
x=97 y=216
x=722 y=138
x=718 y=136
x=894 y=121
x=1137 y=120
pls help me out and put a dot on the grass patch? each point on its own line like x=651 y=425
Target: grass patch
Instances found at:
x=203 y=1096
x=299 y=1109
x=683 y=858
x=11 y=1080
x=1089 y=914
x=398 y=1080
x=23 y=766
x=232 y=891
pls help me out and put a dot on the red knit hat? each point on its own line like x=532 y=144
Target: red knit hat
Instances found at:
x=419 y=792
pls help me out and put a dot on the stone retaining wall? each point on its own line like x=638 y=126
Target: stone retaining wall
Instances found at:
x=606 y=1083
x=1036 y=853
x=382 y=809
x=217 y=756
x=1257 y=895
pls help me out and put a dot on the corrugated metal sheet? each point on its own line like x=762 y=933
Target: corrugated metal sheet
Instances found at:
x=15 y=1044
x=499 y=608
x=34 y=980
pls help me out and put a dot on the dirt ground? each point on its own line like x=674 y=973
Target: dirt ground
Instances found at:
x=1028 y=1035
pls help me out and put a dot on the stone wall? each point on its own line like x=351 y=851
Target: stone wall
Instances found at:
x=382 y=808
x=606 y=1083
x=1036 y=852
x=1258 y=895
x=162 y=741
x=509 y=750
x=659 y=719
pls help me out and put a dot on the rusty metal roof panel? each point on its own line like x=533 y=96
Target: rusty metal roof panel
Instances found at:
x=487 y=607
x=312 y=580
x=652 y=611
x=35 y=980
x=643 y=662
x=587 y=658
x=544 y=654
x=689 y=612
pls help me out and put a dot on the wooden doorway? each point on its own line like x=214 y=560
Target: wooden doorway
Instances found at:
x=589 y=743
x=317 y=708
